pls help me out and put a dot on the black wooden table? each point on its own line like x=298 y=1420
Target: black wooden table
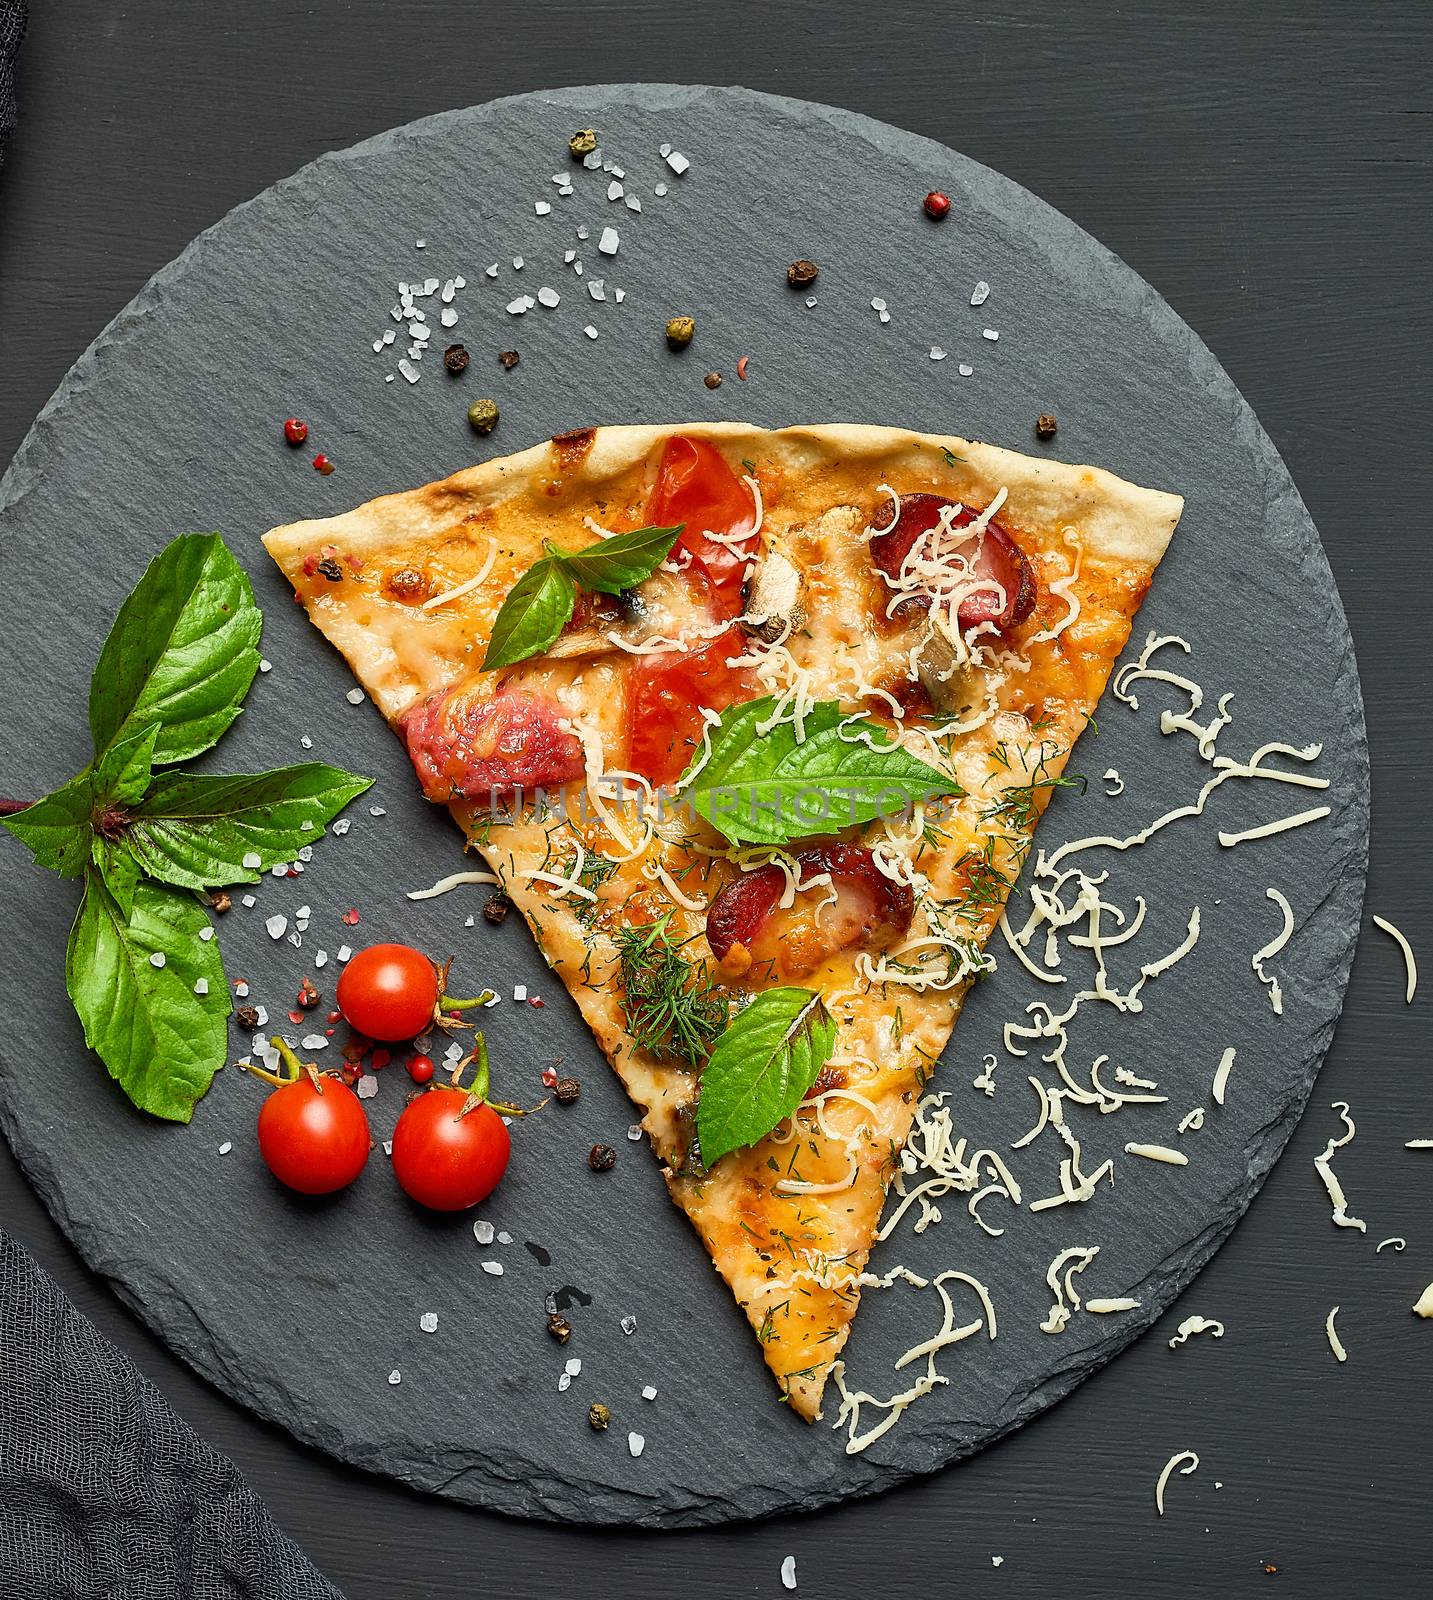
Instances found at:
x=1269 y=169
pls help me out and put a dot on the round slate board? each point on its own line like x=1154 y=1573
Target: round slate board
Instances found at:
x=170 y=422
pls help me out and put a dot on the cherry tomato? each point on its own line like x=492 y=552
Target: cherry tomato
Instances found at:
x=696 y=487
x=314 y=1136
x=389 y=992
x=446 y=1160
x=665 y=695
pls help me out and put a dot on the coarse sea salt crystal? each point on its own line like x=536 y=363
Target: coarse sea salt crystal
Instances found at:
x=377 y=811
x=564 y=1382
x=470 y=921
x=276 y=925
x=596 y=288
x=936 y=353
x=241 y=988
x=296 y=940
x=504 y=1237
x=247 y=900
x=592 y=160
x=494 y=1269
x=265 y=665
x=542 y=207
x=428 y=1322
x=628 y=1325
x=201 y=986
x=367 y=1086
x=966 y=370
x=429 y=285
x=355 y=697
x=633 y=203
x=660 y=190
x=206 y=934
x=609 y=242
x=619 y=295
x=517 y=263
x=226 y=1147
x=447 y=291
x=548 y=297
x=320 y=958
x=483 y=1231
x=636 y=1443
x=614 y=190
x=810 y=301
x=519 y=991
x=980 y=293
x=649 y=1393
x=590 y=331
x=448 y=316
x=788 y=1573
x=989 y=333
x=409 y=371
x=344 y=952
x=634 y=1132
x=420 y=244
x=492 y=271
x=315 y=1041
x=664 y=150
x=341 y=827
x=280 y=869
x=516 y=308
x=157 y=959
x=573 y=1368
x=395 y=1377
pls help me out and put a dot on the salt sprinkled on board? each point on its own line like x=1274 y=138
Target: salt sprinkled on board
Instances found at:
x=315 y=1041
x=633 y=203
x=989 y=333
x=609 y=242
x=483 y=1231
x=660 y=190
x=355 y=697
x=504 y=1237
x=344 y=952
x=614 y=190
x=966 y=370
x=628 y=1325
x=573 y=1368
x=395 y=1377
x=583 y=231
x=519 y=991
x=377 y=811
x=564 y=1382
x=305 y=743
x=636 y=1443
x=320 y=958
x=515 y=308
x=619 y=295
x=226 y=1147
x=517 y=263
x=664 y=150
x=341 y=827
x=492 y=271
x=542 y=207
x=595 y=287
x=493 y=1268
x=201 y=986
x=936 y=353
x=276 y=925
x=980 y=293
x=367 y=1086
x=428 y=1322
x=206 y=934
x=448 y=316
x=788 y=1573
x=678 y=162
x=241 y=988
x=548 y=297
x=409 y=371
x=635 y=1132
x=590 y=331
x=649 y=1393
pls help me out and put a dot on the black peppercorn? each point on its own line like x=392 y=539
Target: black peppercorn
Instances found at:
x=221 y=901
x=509 y=358
x=496 y=910
x=331 y=570
x=602 y=1158
x=247 y=1017
x=455 y=359
x=1046 y=426
x=567 y=1090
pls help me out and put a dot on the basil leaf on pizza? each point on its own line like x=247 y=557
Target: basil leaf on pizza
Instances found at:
x=621 y=562
x=181 y=654
x=773 y=787
x=761 y=1068
x=537 y=609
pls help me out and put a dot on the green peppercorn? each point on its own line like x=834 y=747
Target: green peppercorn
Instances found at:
x=599 y=1416
x=483 y=414
x=680 y=331
x=582 y=143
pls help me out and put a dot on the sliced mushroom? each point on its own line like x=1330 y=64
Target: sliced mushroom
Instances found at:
x=772 y=597
x=951 y=685
x=668 y=605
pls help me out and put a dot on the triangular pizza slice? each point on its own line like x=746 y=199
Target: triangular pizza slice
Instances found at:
x=878 y=600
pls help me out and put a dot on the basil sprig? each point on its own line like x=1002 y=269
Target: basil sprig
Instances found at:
x=142 y=969
x=539 y=605
x=761 y=1069
x=771 y=788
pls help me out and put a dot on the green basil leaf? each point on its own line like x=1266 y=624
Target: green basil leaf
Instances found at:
x=115 y=863
x=772 y=788
x=59 y=828
x=621 y=562
x=161 y=1042
x=536 y=610
x=761 y=1068
x=202 y=831
x=182 y=652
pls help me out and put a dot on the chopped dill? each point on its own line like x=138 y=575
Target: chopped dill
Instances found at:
x=671 y=1004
